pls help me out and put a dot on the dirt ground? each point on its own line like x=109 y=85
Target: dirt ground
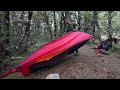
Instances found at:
x=87 y=65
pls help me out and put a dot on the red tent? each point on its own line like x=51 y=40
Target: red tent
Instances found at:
x=52 y=52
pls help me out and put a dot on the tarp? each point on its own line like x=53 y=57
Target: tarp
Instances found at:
x=50 y=50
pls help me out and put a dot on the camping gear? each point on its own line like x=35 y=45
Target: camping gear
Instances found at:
x=104 y=47
x=51 y=53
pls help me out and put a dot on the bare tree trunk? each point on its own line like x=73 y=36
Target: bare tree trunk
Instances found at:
x=2 y=45
x=27 y=31
x=79 y=20
x=95 y=23
x=55 y=25
x=48 y=25
x=21 y=40
x=7 y=33
x=67 y=16
x=6 y=27
x=62 y=25
x=99 y=34
x=109 y=29
x=85 y=22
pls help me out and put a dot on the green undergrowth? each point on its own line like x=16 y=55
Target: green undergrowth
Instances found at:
x=116 y=48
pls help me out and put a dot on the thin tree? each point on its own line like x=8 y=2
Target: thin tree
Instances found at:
x=48 y=25
x=62 y=24
x=67 y=16
x=95 y=23
x=27 y=31
x=79 y=20
x=55 y=25
x=7 y=33
x=109 y=29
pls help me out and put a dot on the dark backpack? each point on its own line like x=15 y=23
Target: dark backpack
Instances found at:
x=107 y=44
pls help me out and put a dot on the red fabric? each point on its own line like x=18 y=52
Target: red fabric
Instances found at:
x=61 y=44
x=9 y=72
x=65 y=42
x=25 y=70
x=98 y=51
x=99 y=44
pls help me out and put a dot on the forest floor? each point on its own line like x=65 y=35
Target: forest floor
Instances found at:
x=87 y=65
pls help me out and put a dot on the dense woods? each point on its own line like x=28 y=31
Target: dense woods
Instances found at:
x=20 y=30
